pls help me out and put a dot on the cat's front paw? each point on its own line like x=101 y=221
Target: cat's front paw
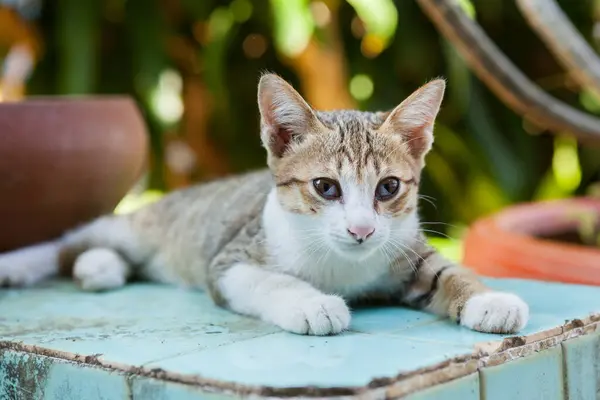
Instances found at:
x=495 y=312
x=316 y=315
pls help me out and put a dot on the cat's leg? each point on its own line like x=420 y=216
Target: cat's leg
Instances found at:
x=102 y=253
x=237 y=280
x=447 y=289
x=102 y=245
x=29 y=265
x=283 y=300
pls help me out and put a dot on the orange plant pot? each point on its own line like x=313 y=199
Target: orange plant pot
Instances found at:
x=508 y=244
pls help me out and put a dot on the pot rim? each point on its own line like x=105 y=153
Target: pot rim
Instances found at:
x=502 y=244
x=551 y=216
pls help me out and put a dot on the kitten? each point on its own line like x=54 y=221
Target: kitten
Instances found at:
x=333 y=221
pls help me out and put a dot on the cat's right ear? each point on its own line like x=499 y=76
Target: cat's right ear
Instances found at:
x=285 y=116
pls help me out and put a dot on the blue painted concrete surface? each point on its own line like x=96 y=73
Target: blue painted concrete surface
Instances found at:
x=182 y=332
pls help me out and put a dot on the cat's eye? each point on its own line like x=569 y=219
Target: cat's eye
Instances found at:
x=327 y=188
x=387 y=188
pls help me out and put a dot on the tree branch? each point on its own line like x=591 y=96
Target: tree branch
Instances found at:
x=563 y=40
x=503 y=77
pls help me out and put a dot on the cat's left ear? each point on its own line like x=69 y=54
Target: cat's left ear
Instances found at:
x=285 y=116
x=415 y=116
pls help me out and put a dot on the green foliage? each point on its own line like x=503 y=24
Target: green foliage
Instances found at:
x=380 y=17
x=293 y=25
x=78 y=38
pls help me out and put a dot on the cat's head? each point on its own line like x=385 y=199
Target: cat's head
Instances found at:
x=348 y=178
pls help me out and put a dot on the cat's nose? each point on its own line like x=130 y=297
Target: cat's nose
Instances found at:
x=361 y=233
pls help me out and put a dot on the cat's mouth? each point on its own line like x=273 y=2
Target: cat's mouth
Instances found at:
x=356 y=251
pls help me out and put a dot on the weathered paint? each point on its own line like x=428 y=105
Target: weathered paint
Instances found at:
x=582 y=369
x=466 y=388
x=32 y=377
x=538 y=376
x=148 y=341
x=71 y=381
x=22 y=376
x=155 y=389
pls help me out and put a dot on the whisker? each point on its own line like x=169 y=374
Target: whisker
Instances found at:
x=426 y=230
x=309 y=250
x=416 y=239
x=323 y=255
x=309 y=230
x=396 y=244
x=429 y=201
x=425 y=264
x=437 y=223
x=437 y=232
x=388 y=254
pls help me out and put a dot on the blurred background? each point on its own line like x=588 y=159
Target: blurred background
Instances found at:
x=193 y=67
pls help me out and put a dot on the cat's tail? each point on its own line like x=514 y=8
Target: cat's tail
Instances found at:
x=105 y=248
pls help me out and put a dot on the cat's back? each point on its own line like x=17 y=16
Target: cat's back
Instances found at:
x=197 y=222
x=224 y=196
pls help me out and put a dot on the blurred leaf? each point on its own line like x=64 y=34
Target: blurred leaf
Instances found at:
x=147 y=33
x=294 y=25
x=467 y=7
x=197 y=9
x=459 y=79
x=380 y=17
x=548 y=189
x=412 y=64
x=453 y=145
x=502 y=161
x=133 y=202
x=220 y=23
x=470 y=183
x=565 y=164
x=590 y=100
x=222 y=28
x=564 y=176
x=452 y=249
x=444 y=177
x=485 y=195
x=241 y=9
x=78 y=34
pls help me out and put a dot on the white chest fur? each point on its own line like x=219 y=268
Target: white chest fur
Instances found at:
x=297 y=247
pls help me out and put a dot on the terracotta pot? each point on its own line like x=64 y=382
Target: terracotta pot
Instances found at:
x=65 y=161
x=508 y=245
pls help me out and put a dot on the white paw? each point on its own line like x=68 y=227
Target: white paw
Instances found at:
x=495 y=312
x=100 y=269
x=315 y=315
